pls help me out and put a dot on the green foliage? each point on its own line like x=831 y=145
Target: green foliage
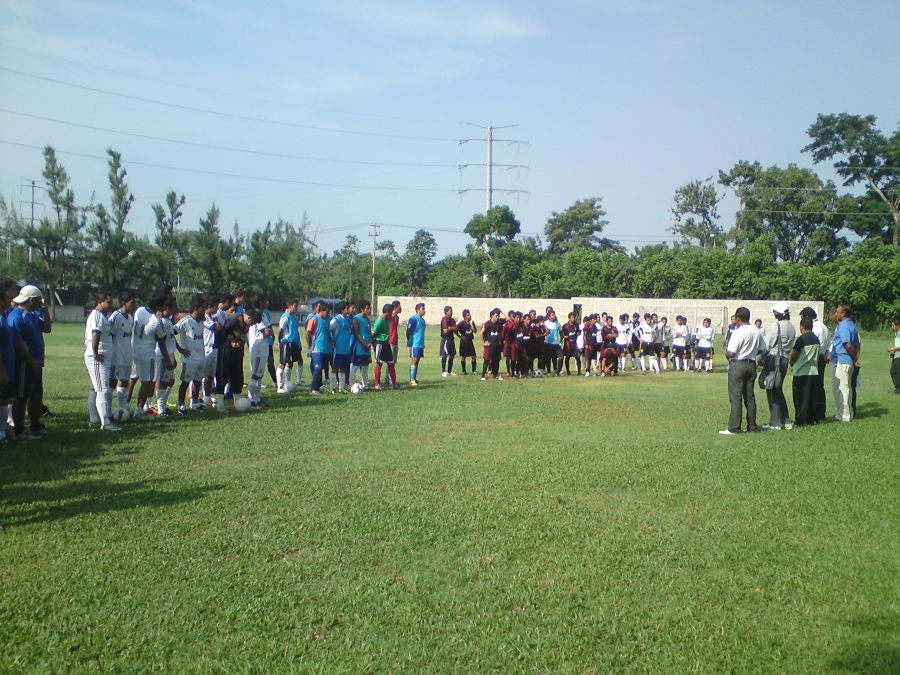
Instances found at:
x=698 y=200
x=420 y=251
x=578 y=227
x=498 y=225
x=456 y=276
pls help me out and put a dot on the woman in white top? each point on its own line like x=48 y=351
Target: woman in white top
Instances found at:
x=780 y=338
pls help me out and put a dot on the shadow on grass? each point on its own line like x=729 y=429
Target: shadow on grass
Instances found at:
x=871 y=409
x=876 y=648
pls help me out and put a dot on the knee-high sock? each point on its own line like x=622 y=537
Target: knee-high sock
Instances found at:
x=463 y=362
x=332 y=379
x=365 y=376
x=443 y=364
x=654 y=364
x=353 y=370
x=664 y=363
x=413 y=371
x=484 y=367
x=92 y=407
x=677 y=363
x=253 y=389
x=4 y=418
x=122 y=397
x=377 y=374
x=288 y=372
x=279 y=377
x=449 y=364
x=103 y=409
x=643 y=367
x=392 y=373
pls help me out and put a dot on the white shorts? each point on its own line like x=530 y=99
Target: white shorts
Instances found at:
x=192 y=372
x=209 y=364
x=162 y=373
x=258 y=366
x=120 y=373
x=143 y=368
x=98 y=372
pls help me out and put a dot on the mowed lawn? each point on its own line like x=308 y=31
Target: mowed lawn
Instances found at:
x=563 y=525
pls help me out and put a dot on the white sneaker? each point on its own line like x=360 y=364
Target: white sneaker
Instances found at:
x=484 y=379
x=444 y=375
x=282 y=390
x=725 y=432
x=112 y=427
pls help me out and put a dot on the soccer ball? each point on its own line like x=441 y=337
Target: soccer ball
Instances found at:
x=121 y=415
x=291 y=387
x=242 y=404
x=538 y=373
x=357 y=388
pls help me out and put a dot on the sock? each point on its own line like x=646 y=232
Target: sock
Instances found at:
x=392 y=373
x=92 y=407
x=353 y=371
x=4 y=419
x=465 y=372
x=279 y=377
x=288 y=373
x=160 y=400
x=122 y=397
x=643 y=367
x=443 y=364
x=220 y=403
x=332 y=379
x=450 y=364
x=340 y=382
x=412 y=373
x=103 y=408
x=365 y=376
x=253 y=389
x=664 y=364
x=377 y=374
x=654 y=364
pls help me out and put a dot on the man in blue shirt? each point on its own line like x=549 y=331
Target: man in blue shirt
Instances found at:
x=320 y=342
x=845 y=362
x=27 y=326
x=415 y=338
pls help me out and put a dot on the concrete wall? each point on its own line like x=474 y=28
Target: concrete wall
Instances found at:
x=719 y=311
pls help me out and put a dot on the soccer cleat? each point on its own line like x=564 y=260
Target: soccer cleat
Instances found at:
x=413 y=383
x=27 y=435
x=726 y=432
x=455 y=374
x=484 y=379
x=42 y=431
x=198 y=408
x=182 y=410
x=315 y=393
x=378 y=387
x=112 y=427
x=445 y=374
x=165 y=412
x=395 y=386
x=769 y=427
x=256 y=406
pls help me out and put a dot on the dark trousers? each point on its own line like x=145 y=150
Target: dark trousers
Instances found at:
x=820 y=406
x=895 y=373
x=778 y=408
x=804 y=390
x=230 y=370
x=741 y=383
x=853 y=390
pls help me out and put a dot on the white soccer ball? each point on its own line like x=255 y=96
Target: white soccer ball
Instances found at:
x=242 y=404
x=538 y=373
x=291 y=387
x=121 y=415
x=357 y=388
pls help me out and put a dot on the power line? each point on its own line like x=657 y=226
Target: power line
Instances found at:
x=225 y=114
x=228 y=149
x=224 y=93
x=244 y=177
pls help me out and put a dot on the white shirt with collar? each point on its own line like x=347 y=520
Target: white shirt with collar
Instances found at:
x=744 y=342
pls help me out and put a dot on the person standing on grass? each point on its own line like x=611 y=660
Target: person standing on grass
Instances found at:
x=415 y=339
x=193 y=365
x=384 y=352
x=742 y=350
x=341 y=328
x=289 y=351
x=508 y=336
x=448 y=342
x=7 y=370
x=647 y=333
x=321 y=343
x=680 y=336
x=230 y=356
x=704 y=335
x=820 y=330
x=97 y=357
x=845 y=362
x=492 y=341
x=895 y=355
x=362 y=344
x=466 y=331
x=211 y=324
x=121 y=327
x=570 y=332
x=779 y=341
x=552 y=348
x=610 y=351
x=261 y=304
x=148 y=334
x=395 y=331
x=27 y=327
x=805 y=361
x=258 y=343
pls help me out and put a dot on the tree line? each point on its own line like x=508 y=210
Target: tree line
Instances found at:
x=794 y=236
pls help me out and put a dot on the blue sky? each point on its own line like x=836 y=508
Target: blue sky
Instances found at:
x=620 y=100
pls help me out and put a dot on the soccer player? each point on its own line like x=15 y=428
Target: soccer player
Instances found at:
x=523 y=345
x=663 y=335
x=552 y=348
x=395 y=331
x=310 y=325
x=321 y=344
x=258 y=342
x=211 y=324
x=384 y=352
x=705 y=334
x=148 y=335
x=623 y=339
x=121 y=327
x=289 y=351
x=97 y=352
x=362 y=344
x=448 y=342
x=230 y=355
x=193 y=366
x=490 y=338
x=466 y=331
x=634 y=348
x=415 y=338
x=680 y=335
x=570 y=332
x=647 y=334
x=610 y=351
x=166 y=362
x=261 y=304
x=341 y=328
x=590 y=343
x=508 y=338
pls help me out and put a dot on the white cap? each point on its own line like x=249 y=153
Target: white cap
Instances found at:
x=28 y=293
x=780 y=307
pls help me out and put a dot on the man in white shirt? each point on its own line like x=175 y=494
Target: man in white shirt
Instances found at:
x=742 y=349
x=680 y=335
x=97 y=350
x=121 y=327
x=191 y=332
x=703 y=353
x=623 y=339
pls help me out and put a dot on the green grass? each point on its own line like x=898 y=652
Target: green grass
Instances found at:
x=554 y=526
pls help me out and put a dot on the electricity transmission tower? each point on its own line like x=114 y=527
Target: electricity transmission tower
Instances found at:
x=33 y=184
x=489 y=164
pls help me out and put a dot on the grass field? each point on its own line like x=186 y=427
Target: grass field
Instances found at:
x=548 y=526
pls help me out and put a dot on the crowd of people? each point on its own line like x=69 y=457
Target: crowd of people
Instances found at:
x=132 y=352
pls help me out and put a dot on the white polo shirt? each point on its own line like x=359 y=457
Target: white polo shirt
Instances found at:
x=744 y=342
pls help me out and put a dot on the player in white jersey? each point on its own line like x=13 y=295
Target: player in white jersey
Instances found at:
x=663 y=336
x=680 y=336
x=623 y=339
x=211 y=324
x=121 y=328
x=647 y=335
x=258 y=340
x=165 y=367
x=97 y=352
x=148 y=333
x=703 y=353
x=191 y=334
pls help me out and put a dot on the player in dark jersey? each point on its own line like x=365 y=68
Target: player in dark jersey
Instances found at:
x=448 y=342
x=466 y=331
x=590 y=343
x=507 y=334
x=609 y=353
x=569 y=332
x=635 y=346
x=493 y=345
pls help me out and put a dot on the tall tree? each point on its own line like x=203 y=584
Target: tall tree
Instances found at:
x=870 y=157
x=207 y=256
x=56 y=239
x=578 y=227
x=696 y=213
x=420 y=251
x=793 y=205
x=496 y=227
x=113 y=245
x=168 y=242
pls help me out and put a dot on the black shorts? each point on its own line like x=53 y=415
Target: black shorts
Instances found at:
x=448 y=347
x=702 y=352
x=648 y=349
x=662 y=350
x=679 y=351
x=384 y=353
x=28 y=382
x=8 y=392
x=289 y=352
x=467 y=348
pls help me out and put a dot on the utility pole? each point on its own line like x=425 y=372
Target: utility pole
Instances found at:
x=33 y=184
x=489 y=163
x=374 y=235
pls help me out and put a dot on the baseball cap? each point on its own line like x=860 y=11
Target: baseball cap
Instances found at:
x=780 y=307
x=28 y=293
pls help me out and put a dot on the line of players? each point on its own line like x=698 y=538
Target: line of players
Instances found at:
x=533 y=346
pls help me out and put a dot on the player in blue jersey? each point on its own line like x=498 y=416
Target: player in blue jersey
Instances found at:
x=289 y=351
x=341 y=328
x=415 y=338
x=362 y=344
x=320 y=342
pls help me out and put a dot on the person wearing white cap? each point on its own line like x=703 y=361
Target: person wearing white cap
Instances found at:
x=780 y=338
x=27 y=326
